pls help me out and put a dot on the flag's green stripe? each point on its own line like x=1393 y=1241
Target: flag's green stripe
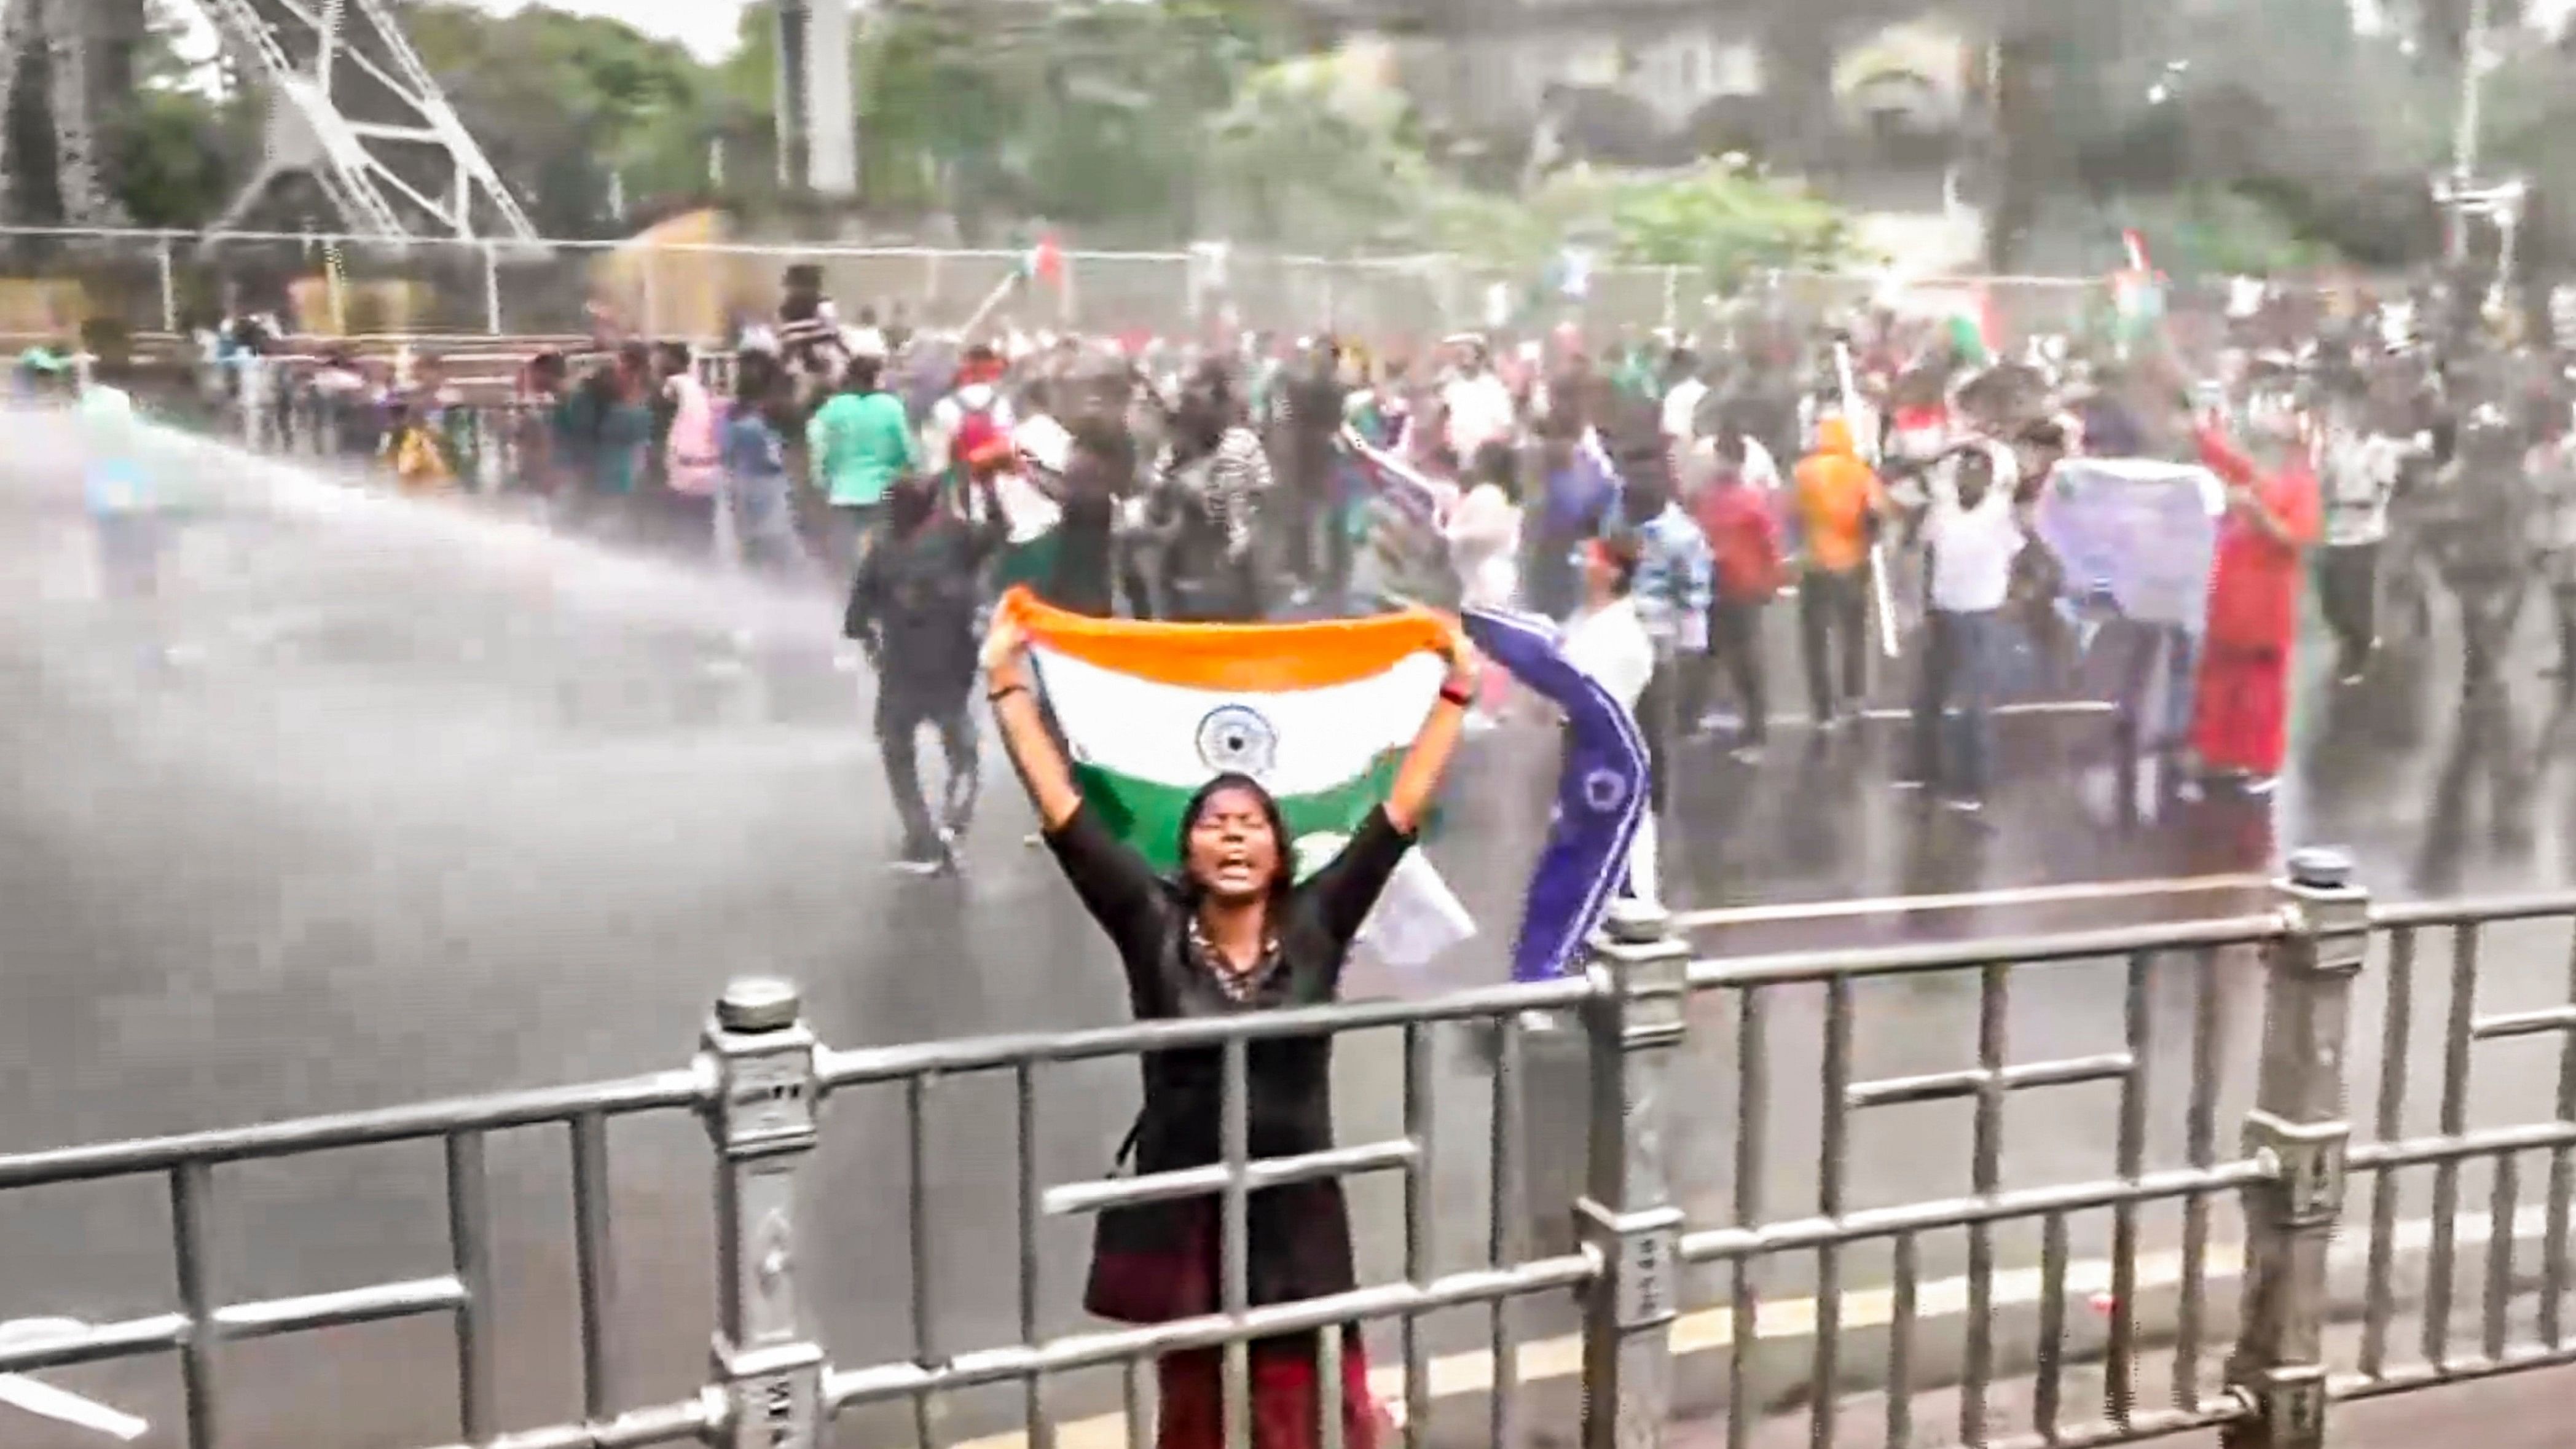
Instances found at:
x=1147 y=815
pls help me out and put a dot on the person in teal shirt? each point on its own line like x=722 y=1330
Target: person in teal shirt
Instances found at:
x=861 y=442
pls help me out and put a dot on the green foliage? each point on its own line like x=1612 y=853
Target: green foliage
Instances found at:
x=1128 y=122
x=1724 y=222
x=1087 y=115
x=2213 y=231
x=178 y=158
x=181 y=145
x=1309 y=162
x=562 y=101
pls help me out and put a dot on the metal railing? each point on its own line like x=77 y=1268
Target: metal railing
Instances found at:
x=153 y=281
x=1644 y=1240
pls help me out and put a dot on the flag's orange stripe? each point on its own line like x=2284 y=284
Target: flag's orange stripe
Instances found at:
x=1251 y=658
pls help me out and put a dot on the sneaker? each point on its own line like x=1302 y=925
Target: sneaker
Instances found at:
x=925 y=858
x=1905 y=782
x=1748 y=753
x=1963 y=805
x=2260 y=786
x=1831 y=724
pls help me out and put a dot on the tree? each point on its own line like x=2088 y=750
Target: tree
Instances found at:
x=562 y=102
x=184 y=141
x=1088 y=115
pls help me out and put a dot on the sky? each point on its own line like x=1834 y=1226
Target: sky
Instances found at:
x=707 y=27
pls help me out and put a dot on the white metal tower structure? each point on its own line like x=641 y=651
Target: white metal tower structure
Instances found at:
x=818 y=128
x=85 y=47
x=351 y=106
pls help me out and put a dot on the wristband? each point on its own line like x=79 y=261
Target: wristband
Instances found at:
x=1006 y=691
x=1459 y=695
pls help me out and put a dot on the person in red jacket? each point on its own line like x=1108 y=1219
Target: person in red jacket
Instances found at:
x=2241 y=707
x=1743 y=530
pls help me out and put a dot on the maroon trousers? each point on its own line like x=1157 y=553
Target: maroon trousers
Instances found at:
x=1287 y=1397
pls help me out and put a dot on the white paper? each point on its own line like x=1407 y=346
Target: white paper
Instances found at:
x=1417 y=917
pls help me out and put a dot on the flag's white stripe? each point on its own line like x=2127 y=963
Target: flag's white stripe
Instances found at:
x=1321 y=737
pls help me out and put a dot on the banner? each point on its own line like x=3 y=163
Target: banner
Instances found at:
x=2136 y=532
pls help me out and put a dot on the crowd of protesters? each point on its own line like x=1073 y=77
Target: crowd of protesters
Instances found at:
x=1873 y=474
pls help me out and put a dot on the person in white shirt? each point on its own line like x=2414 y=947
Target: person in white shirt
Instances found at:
x=2358 y=465
x=1607 y=640
x=1477 y=404
x=1724 y=437
x=1972 y=534
x=1684 y=393
x=865 y=338
x=1484 y=531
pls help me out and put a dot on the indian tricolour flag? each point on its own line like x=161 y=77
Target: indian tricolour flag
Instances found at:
x=1320 y=714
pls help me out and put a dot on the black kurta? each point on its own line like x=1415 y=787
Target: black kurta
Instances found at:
x=1159 y=1260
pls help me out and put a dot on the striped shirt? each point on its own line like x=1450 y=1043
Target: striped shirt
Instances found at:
x=1229 y=484
x=802 y=335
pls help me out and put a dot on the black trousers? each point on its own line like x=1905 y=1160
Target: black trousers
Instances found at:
x=901 y=712
x=2348 y=593
x=1833 y=608
x=1735 y=646
x=2562 y=598
x=2489 y=607
x=1656 y=705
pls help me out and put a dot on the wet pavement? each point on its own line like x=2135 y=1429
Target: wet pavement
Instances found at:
x=380 y=802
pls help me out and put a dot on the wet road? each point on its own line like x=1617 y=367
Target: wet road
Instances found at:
x=379 y=802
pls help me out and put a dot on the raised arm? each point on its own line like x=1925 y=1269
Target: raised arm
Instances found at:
x=1112 y=880
x=1034 y=752
x=1417 y=779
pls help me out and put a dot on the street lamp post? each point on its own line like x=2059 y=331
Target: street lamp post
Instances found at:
x=2466 y=132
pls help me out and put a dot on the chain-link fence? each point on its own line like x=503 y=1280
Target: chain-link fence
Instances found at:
x=56 y=283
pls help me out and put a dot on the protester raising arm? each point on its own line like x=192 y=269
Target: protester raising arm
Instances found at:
x=1417 y=779
x=2278 y=515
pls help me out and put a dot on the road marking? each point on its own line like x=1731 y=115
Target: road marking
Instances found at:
x=47 y=1402
x=1713 y=1329
x=2035 y=895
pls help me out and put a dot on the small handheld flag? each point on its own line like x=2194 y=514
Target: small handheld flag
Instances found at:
x=1045 y=261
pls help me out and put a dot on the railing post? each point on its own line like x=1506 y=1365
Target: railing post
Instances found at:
x=1626 y=1217
x=2298 y=1131
x=767 y=1364
x=169 y=266
x=653 y=292
x=491 y=290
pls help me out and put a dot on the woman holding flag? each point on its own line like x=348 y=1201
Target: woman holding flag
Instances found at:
x=1233 y=930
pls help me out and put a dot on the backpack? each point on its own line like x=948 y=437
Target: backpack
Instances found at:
x=977 y=433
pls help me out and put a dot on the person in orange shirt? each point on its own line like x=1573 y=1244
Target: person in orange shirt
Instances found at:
x=1839 y=499
x=2241 y=707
